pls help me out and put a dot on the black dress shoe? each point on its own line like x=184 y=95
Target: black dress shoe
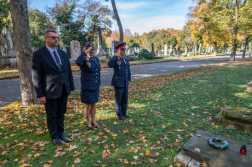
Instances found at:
x=98 y=126
x=127 y=116
x=121 y=118
x=65 y=139
x=90 y=128
x=57 y=142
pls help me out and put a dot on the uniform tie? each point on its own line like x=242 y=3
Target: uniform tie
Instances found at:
x=57 y=60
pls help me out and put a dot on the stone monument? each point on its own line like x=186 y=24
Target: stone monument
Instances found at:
x=200 y=49
x=10 y=50
x=197 y=151
x=225 y=49
x=4 y=45
x=114 y=44
x=131 y=52
x=159 y=51
x=152 y=49
x=171 y=47
x=100 y=52
x=64 y=48
x=178 y=50
x=75 y=49
x=9 y=37
x=166 y=50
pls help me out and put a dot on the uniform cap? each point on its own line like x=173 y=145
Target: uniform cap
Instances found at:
x=121 y=46
x=88 y=44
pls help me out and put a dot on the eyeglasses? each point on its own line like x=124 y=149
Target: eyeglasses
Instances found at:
x=53 y=37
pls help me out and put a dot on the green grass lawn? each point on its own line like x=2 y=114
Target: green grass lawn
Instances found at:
x=166 y=111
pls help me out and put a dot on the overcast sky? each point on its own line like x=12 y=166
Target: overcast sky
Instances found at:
x=141 y=16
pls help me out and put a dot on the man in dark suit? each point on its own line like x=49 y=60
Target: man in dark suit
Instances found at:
x=120 y=80
x=53 y=81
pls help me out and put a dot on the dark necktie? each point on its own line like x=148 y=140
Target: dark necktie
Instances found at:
x=93 y=59
x=57 y=60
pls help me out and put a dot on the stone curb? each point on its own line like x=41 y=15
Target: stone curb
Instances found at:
x=15 y=77
x=5 y=78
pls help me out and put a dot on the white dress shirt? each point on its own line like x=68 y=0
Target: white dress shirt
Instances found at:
x=52 y=54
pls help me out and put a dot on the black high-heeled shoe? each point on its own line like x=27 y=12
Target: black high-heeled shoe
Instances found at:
x=90 y=128
x=98 y=126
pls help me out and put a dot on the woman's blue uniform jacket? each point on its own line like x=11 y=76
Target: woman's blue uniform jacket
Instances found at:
x=90 y=72
x=122 y=72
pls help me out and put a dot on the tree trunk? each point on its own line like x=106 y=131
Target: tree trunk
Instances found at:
x=247 y=40
x=23 y=48
x=233 y=53
x=244 y=50
x=232 y=57
x=118 y=20
x=250 y=49
x=215 y=48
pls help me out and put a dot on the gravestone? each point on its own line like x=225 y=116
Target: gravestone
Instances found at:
x=225 y=49
x=68 y=52
x=152 y=49
x=11 y=50
x=165 y=50
x=178 y=50
x=114 y=44
x=196 y=47
x=159 y=51
x=64 y=48
x=100 y=52
x=200 y=49
x=171 y=47
x=4 y=45
x=212 y=49
x=185 y=55
x=193 y=49
x=75 y=49
x=131 y=52
x=230 y=157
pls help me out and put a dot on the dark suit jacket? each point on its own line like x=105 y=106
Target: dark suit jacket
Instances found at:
x=46 y=76
x=90 y=72
x=122 y=72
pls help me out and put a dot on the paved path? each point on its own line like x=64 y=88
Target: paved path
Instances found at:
x=10 y=89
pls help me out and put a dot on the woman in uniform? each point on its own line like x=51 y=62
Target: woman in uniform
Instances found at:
x=90 y=82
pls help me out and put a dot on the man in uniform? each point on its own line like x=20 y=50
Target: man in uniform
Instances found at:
x=120 y=80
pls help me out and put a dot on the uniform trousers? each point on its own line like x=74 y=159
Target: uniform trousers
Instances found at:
x=121 y=100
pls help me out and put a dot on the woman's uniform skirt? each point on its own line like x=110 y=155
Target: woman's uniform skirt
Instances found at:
x=89 y=96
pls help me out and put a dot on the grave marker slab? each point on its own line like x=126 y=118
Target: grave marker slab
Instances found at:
x=230 y=157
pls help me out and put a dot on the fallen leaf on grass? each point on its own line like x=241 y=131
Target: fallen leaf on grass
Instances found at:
x=135 y=157
x=77 y=161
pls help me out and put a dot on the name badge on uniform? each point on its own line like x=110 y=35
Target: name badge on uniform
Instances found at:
x=89 y=64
